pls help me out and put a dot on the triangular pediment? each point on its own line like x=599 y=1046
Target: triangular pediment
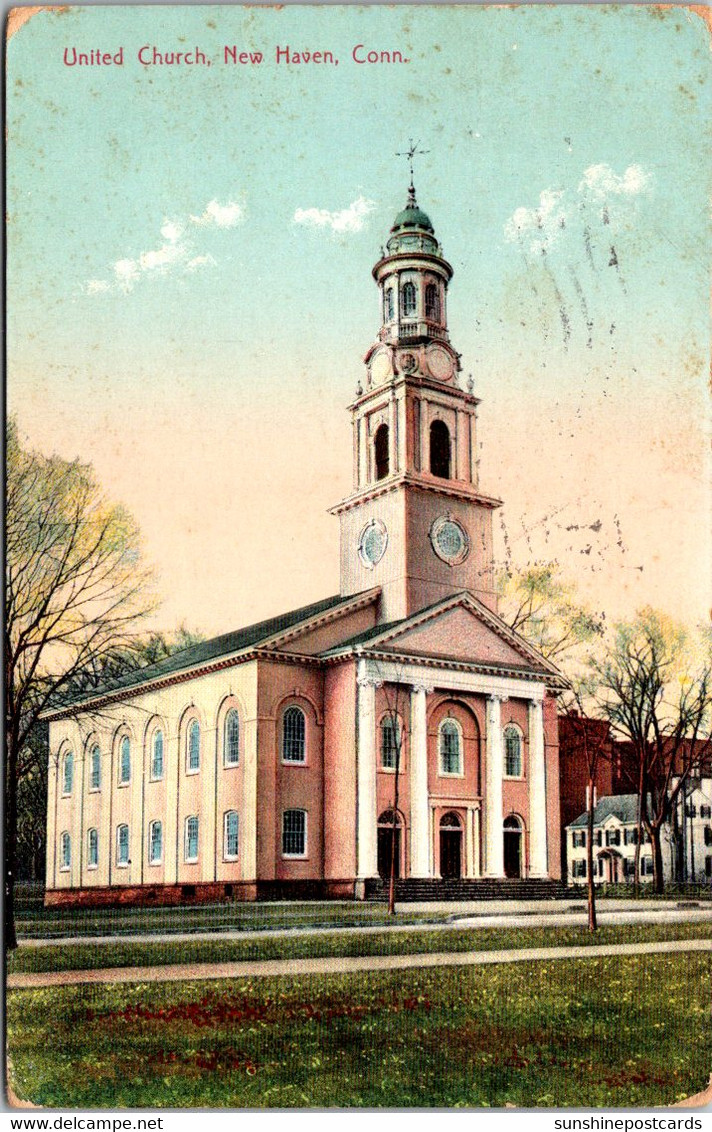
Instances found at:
x=464 y=630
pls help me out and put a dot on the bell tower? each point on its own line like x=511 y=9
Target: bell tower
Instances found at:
x=415 y=523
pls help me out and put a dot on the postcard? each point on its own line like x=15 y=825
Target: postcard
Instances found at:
x=358 y=540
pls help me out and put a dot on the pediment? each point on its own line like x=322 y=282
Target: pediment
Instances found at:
x=465 y=631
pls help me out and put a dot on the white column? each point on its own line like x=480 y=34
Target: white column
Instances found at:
x=424 y=437
x=366 y=853
x=469 y=843
x=538 y=866
x=494 y=836
x=172 y=835
x=363 y=451
x=419 y=811
x=392 y=435
x=248 y=838
x=477 y=865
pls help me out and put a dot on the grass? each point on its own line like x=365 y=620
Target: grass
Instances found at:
x=33 y=921
x=605 y=1032
x=90 y=957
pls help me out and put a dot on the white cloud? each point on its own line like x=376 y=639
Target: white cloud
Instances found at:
x=543 y=223
x=222 y=215
x=175 y=253
x=351 y=219
x=603 y=181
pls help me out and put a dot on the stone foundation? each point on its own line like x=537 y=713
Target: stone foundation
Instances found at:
x=185 y=894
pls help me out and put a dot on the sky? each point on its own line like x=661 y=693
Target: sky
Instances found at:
x=190 y=294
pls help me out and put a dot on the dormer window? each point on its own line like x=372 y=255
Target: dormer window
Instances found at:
x=409 y=298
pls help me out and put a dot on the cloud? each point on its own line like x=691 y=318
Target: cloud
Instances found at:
x=222 y=215
x=351 y=219
x=602 y=181
x=544 y=223
x=176 y=253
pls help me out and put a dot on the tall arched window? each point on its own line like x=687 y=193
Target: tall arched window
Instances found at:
x=122 y=845
x=155 y=843
x=388 y=309
x=65 y=852
x=432 y=302
x=95 y=771
x=157 y=755
x=440 y=450
x=92 y=848
x=390 y=742
x=191 y=838
x=381 y=452
x=125 y=760
x=232 y=738
x=68 y=773
x=293 y=736
x=193 y=761
x=450 y=746
x=408 y=299
x=512 y=752
x=231 y=835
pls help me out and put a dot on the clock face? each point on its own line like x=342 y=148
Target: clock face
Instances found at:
x=373 y=542
x=449 y=540
x=381 y=368
x=408 y=363
x=439 y=363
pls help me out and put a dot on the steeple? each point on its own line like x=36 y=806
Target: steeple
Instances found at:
x=416 y=523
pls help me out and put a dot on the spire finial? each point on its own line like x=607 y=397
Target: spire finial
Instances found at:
x=410 y=153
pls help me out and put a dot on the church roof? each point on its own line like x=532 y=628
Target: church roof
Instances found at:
x=195 y=656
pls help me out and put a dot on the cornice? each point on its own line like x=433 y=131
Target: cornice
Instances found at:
x=414 y=382
x=453 y=489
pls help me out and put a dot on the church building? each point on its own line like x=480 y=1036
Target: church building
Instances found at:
x=286 y=758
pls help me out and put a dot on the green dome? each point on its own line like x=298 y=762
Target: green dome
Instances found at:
x=412 y=217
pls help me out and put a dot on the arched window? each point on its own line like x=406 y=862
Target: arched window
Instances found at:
x=68 y=773
x=193 y=761
x=231 y=835
x=388 y=310
x=155 y=843
x=293 y=736
x=512 y=752
x=95 y=771
x=125 y=760
x=191 y=838
x=65 y=852
x=232 y=738
x=381 y=451
x=440 y=450
x=92 y=848
x=157 y=755
x=450 y=746
x=408 y=299
x=122 y=845
x=294 y=833
x=390 y=742
x=432 y=302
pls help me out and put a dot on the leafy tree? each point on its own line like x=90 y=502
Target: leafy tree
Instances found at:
x=541 y=604
x=76 y=591
x=655 y=688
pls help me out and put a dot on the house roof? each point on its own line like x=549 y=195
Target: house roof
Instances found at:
x=195 y=656
x=622 y=806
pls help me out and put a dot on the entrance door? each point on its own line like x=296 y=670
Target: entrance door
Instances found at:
x=512 y=848
x=450 y=847
x=385 y=841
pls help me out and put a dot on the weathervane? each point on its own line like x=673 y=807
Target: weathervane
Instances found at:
x=410 y=154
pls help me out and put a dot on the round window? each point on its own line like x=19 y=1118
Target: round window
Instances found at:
x=373 y=542
x=450 y=542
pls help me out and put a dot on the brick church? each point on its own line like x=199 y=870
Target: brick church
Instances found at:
x=266 y=762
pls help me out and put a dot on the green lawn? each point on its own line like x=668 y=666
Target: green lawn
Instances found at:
x=86 y=956
x=615 y=1031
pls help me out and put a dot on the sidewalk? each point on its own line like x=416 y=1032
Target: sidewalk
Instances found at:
x=343 y=965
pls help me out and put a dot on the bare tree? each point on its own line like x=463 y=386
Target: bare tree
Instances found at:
x=656 y=690
x=76 y=590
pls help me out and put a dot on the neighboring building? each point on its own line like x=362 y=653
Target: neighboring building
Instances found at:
x=692 y=831
x=615 y=836
x=579 y=738
x=262 y=762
